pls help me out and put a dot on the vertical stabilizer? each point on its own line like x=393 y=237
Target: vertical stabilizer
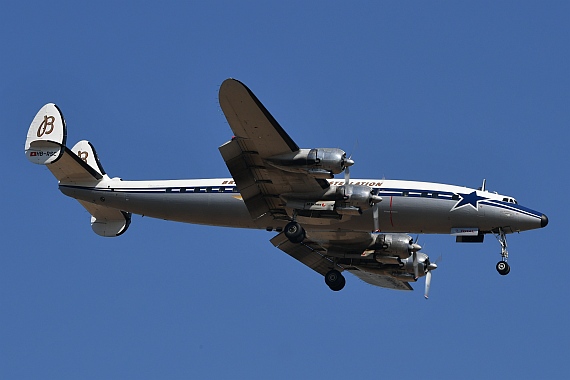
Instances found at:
x=45 y=143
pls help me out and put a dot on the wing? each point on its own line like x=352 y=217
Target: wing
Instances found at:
x=259 y=136
x=382 y=280
x=313 y=255
x=308 y=252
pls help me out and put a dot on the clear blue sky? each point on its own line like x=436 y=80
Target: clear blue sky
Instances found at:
x=443 y=91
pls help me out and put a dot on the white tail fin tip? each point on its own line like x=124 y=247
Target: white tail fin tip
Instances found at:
x=45 y=142
x=86 y=152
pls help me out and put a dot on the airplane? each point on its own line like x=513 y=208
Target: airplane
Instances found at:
x=361 y=226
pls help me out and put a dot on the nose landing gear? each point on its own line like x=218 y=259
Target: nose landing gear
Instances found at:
x=502 y=266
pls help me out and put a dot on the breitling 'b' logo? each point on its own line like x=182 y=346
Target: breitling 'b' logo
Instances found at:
x=83 y=155
x=46 y=127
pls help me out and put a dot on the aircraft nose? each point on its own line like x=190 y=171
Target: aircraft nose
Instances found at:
x=543 y=220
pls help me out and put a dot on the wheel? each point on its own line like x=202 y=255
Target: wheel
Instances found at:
x=335 y=280
x=294 y=232
x=503 y=268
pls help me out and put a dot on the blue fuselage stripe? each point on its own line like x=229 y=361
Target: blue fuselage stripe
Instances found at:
x=386 y=192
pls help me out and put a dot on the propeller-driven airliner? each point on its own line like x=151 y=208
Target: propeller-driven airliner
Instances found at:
x=360 y=226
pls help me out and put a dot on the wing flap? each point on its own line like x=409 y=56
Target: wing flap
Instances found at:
x=308 y=253
x=384 y=281
x=252 y=184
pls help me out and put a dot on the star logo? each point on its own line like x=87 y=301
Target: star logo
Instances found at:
x=468 y=199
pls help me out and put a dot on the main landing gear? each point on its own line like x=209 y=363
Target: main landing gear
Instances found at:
x=294 y=232
x=335 y=280
x=502 y=266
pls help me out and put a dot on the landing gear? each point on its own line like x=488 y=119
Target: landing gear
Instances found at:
x=502 y=266
x=294 y=232
x=335 y=280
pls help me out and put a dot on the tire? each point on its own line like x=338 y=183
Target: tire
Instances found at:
x=335 y=280
x=503 y=268
x=294 y=232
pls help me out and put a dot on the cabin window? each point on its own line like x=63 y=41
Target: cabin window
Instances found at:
x=434 y=195
x=406 y=193
x=182 y=189
x=235 y=190
x=169 y=190
x=424 y=194
x=455 y=197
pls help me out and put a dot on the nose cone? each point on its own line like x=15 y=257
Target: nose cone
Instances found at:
x=543 y=220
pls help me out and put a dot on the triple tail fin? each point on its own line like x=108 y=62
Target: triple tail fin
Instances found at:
x=45 y=145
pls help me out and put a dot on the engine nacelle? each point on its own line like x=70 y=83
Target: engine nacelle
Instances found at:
x=355 y=197
x=319 y=163
x=400 y=245
x=423 y=264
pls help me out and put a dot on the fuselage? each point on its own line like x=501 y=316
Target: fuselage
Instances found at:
x=406 y=206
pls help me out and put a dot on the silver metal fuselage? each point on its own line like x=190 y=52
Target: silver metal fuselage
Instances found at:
x=407 y=206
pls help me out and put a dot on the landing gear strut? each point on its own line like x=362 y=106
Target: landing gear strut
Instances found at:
x=502 y=266
x=335 y=280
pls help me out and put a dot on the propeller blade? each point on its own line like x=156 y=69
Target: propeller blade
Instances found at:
x=346 y=175
x=428 y=283
x=415 y=256
x=375 y=217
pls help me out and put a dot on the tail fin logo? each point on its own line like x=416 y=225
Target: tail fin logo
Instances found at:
x=47 y=123
x=83 y=155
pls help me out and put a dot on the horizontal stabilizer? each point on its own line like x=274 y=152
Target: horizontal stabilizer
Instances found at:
x=71 y=169
x=108 y=222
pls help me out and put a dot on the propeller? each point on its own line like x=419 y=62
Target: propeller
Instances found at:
x=415 y=264
x=428 y=283
x=415 y=247
x=430 y=267
x=347 y=162
x=375 y=217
